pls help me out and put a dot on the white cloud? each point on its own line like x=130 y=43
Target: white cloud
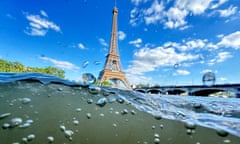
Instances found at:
x=39 y=26
x=232 y=40
x=138 y=79
x=195 y=6
x=103 y=42
x=149 y=60
x=121 y=35
x=60 y=64
x=228 y=12
x=44 y=13
x=137 y=43
x=134 y=17
x=185 y=53
x=137 y=2
x=189 y=45
x=11 y=16
x=205 y=71
x=198 y=43
x=217 y=4
x=154 y=13
x=176 y=17
x=81 y=46
x=222 y=79
x=173 y=14
x=146 y=59
x=181 y=72
x=221 y=57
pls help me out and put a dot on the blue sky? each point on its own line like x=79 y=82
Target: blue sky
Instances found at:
x=164 y=42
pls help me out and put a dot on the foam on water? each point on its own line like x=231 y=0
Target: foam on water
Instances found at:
x=216 y=113
x=220 y=114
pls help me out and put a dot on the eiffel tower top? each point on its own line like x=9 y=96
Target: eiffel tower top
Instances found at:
x=113 y=50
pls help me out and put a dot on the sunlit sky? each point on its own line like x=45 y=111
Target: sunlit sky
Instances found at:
x=165 y=42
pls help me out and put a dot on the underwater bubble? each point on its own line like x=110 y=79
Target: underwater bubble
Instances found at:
x=50 y=139
x=24 y=139
x=30 y=137
x=111 y=99
x=29 y=121
x=156 y=140
x=62 y=128
x=227 y=141
x=156 y=135
x=60 y=89
x=101 y=114
x=133 y=112
x=75 y=122
x=222 y=133
x=189 y=131
x=180 y=115
x=176 y=65
x=16 y=121
x=161 y=126
x=190 y=125
x=89 y=115
x=120 y=99
x=94 y=89
x=106 y=93
x=153 y=126
x=78 y=109
x=68 y=134
x=89 y=101
x=158 y=117
x=101 y=101
x=25 y=100
x=2 y=116
x=197 y=105
x=24 y=125
x=6 y=125
x=124 y=111
x=114 y=124
x=88 y=79
x=85 y=64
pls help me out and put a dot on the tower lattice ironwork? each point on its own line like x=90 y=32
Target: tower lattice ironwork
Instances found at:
x=112 y=68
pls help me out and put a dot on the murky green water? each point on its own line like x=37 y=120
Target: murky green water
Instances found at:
x=69 y=115
x=42 y=109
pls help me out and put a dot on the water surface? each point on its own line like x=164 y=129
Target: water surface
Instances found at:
x=38 y=108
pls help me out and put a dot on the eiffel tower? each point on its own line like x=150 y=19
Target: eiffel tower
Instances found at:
x=112 y=68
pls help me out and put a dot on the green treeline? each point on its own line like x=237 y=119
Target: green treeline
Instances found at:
x=7 y=66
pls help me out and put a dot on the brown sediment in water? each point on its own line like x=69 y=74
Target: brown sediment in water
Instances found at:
x=64 y=114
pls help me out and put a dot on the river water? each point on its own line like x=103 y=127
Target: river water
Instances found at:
x=37 y=108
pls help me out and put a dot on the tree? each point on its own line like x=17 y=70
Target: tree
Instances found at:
x=104 y=83
x=7 y=66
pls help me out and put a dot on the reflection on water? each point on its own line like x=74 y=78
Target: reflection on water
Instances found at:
x=37 y=108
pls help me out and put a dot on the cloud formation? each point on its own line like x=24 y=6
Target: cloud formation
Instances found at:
x=185 y=54
x=103 y=42
x=81 y=46
x=137 y=43
x=232 y=40
x=39 y=24
x=121 y=35
x=173 y=13
x=60 y=64
x=228 y=12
